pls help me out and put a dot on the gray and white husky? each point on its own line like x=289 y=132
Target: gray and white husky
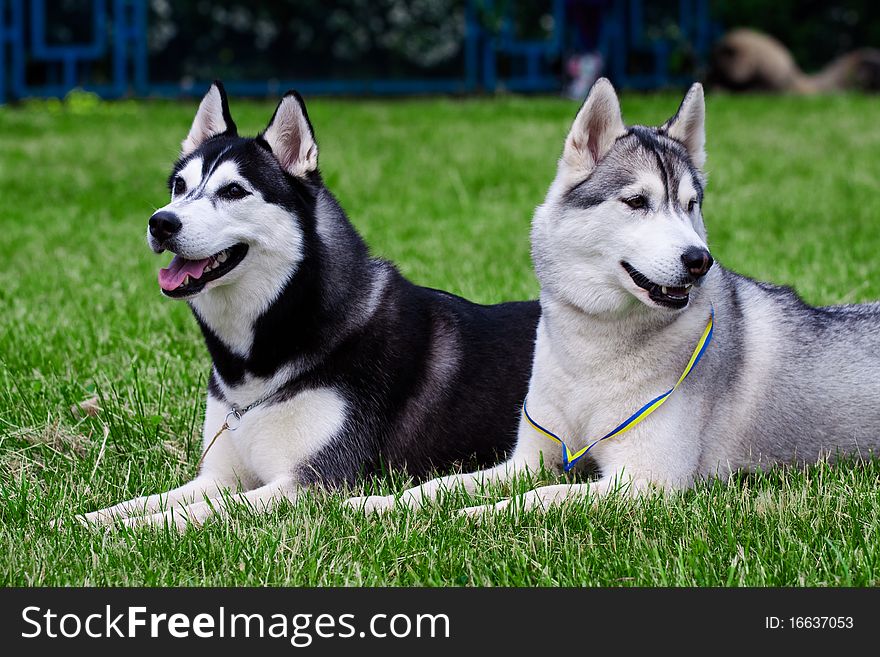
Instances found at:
x=627 y=291
x=328 y=365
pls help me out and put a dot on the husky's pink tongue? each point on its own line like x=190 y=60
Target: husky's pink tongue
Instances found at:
x=172 y=276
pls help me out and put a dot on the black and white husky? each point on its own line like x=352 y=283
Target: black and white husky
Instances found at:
x=328 y=365
x=628 y=289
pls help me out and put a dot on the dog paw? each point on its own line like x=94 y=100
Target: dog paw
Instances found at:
x=91 y=519
x=480 y=512
x=372 y=503
x=168 y=519
x=83 y=520
x=94 y=520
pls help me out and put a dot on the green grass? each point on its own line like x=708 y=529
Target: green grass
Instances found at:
x=446 y=189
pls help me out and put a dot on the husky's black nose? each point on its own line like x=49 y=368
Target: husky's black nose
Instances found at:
x=164 y=225
x=697 y=261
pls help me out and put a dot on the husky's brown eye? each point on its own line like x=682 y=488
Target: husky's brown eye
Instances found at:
x=233 y=191
x=692 y=204
x=179 y=186
x=637 y=202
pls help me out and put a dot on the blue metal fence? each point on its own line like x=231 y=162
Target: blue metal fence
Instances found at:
x=493 y=56
x=623 y=38
x=118 y=33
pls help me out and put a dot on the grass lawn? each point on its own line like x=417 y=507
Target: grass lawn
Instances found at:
x=446 y=189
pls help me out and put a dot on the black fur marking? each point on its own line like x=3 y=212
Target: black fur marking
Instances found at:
x=648 y=140
x=474 y=411
x=585 y=199
x=603 y=182
x=214 y=387
x=668 y=151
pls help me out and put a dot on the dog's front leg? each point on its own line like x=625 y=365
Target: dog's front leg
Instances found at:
x=418 y=496
x=527 y=456
x=259 y=500
x=203 y=486
x=546 y=497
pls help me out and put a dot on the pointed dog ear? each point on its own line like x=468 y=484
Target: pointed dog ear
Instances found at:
x=596 y=126
x=212 y=119
x=291 y=138
x=689 y=125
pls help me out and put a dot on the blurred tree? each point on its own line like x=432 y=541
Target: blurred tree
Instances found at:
x=193 y=40
x=305 y=39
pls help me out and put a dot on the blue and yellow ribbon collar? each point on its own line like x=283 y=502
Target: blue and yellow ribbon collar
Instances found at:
x=569 y=459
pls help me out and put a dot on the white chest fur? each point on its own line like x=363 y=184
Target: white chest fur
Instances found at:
x=273 y=440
